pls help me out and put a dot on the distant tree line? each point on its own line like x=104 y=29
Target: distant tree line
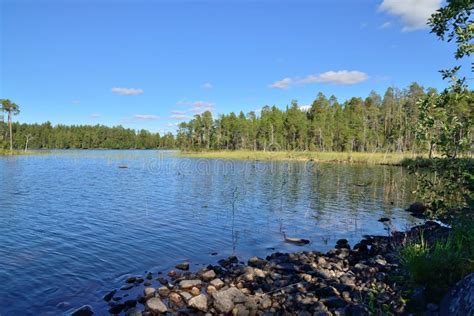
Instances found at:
x=46 y=136
x=389 y=123
x=372 y=124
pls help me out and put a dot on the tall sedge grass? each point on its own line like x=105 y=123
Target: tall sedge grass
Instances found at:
x=439 y=266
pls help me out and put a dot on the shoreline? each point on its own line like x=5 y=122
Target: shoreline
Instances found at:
x=358 y=280
x=390 y=159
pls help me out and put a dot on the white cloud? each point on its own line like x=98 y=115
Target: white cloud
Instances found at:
x=342 y=77
x=95 y=115
x=76 y=102
x=127 y=91
x=203 y=104
x=305 y=108
x=181 y=117
x=207 y=85
x=195 y=107
x=413 y=13
x=145 y=117
x=178 y=112
x=282 y=84
x=385 y=25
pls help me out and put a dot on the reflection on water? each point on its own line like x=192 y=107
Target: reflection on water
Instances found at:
x=73 y=225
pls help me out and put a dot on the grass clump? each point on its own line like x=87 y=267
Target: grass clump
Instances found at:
x=437 y=267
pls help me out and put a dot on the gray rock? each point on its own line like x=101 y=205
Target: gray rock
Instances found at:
x=149 y=292
x=133 y=312
x=85 y=310
x=183 y=266
x=224 y=300
x=259 y=273
x=163 y=291
x=460 y=299
x=156 y=306
x=126 y=287
x=131 y=279
x=185 y=295
x=417 y=208
x=217 y=283
x=257 y=262
x=189 y=284
x=208 y=275
x=199 y=302
x=107 y=297
x=334 y=302
x=264 y=302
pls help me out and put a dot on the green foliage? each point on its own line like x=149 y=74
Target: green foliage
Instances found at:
x=11 y=109
x=445 y=120
x=439 y=266
x=46 y=136
x=453 y=22
x=445 y=185
x=373 y=124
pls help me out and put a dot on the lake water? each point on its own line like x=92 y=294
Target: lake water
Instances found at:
x=73 y=225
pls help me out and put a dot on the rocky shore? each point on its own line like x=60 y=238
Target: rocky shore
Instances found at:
x=361 y=279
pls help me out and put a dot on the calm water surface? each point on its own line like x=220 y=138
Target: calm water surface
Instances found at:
x=73 y=225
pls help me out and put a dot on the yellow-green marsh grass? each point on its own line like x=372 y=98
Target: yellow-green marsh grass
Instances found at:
x=339 y=157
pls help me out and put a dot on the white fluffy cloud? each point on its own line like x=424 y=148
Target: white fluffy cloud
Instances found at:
x=207 y=85
x=127 y=91
x=282 y=84
x=413 y=13
x=145 y=117
x=341 y=77
x=95 y=115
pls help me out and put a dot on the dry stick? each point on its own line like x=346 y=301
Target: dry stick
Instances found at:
x=283 y=287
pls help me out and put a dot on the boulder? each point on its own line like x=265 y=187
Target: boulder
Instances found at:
x=107 y=297
x=183 y=266
x=224 y=300
x=199 y=302
x=195 y=291
x=189 y=284
x=163 y=291
x=460 y=299
x=175 y=299
x=217 y=283
x=208 y=275
x=149 y=292
x=156 y=306
x=417 y=208
x=257 y=262
x=85 y=310
x=131 y=279
x=133 y=312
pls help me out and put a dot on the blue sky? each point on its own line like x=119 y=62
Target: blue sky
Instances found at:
x=150 y=64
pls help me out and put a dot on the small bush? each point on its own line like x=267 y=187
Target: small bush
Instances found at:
x=439 y=266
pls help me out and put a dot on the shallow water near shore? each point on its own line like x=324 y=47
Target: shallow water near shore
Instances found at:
x=73 y=225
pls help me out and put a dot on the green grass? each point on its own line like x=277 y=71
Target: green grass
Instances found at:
x=7 y=152
x=439 y=266
x=338 y=157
